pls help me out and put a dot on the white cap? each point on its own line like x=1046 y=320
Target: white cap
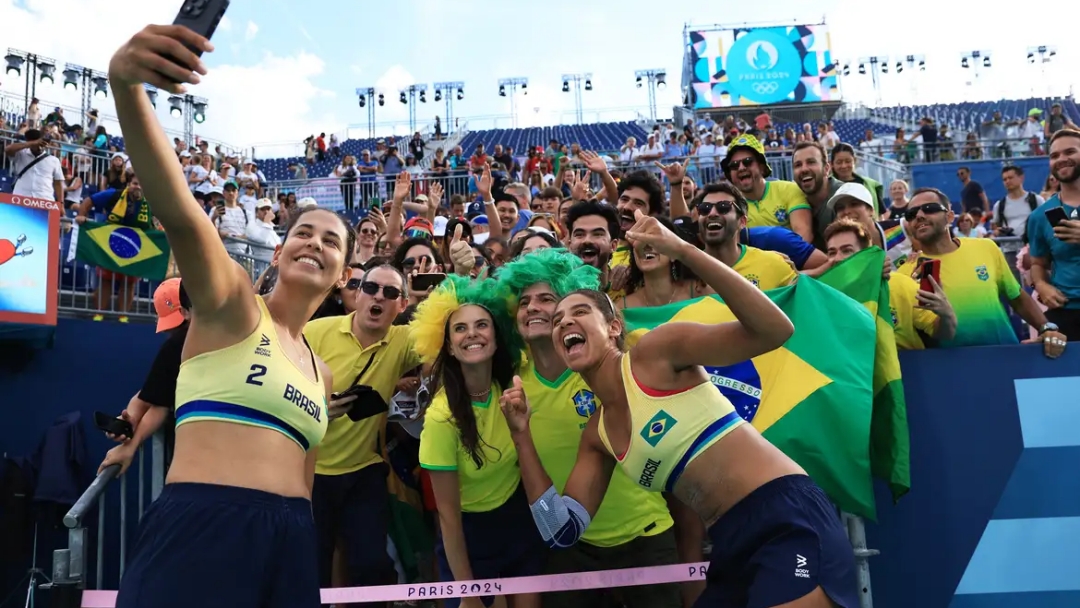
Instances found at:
x=265 y=202
x=185 y=154
x=307 y=201
x=478 y=238
x=217 y=190
x=440 y=226
x=852 y=190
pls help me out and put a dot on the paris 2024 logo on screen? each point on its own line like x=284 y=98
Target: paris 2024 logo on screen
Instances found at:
x=763 y=67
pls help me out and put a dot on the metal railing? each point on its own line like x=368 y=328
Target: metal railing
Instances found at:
x=70 y=565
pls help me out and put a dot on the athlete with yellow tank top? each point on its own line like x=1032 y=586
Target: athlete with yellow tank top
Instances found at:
x=777 y=540
x=251 y=396
x=632 y=527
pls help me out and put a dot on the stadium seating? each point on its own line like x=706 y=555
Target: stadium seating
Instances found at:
x=969 y=115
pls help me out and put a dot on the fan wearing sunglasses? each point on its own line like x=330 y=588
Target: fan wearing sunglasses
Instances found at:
x=721 y=213
x=975 y=276
x=349 y=497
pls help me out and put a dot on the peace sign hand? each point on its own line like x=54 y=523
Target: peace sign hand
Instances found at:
x=580 y=189
x=461 y=253
x=675 y=172
x=402 y=186
x=515 y=407
x=648 y=231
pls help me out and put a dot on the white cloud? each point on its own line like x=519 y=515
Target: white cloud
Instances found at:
x=242 y=109
x=251 y=31
x=225 y=25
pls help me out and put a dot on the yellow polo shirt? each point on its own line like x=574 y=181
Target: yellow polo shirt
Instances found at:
x=350 y=446
x=765 y=269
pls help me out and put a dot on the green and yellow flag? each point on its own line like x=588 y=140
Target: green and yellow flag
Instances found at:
x=131 y=251
x=890 y=445
x=812 y=398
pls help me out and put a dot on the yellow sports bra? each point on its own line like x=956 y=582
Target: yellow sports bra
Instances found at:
x=668 y=429
x=252 y=382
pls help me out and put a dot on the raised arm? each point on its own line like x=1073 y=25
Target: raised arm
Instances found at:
x=760 y=326
x=211 y=278
x=561 y=520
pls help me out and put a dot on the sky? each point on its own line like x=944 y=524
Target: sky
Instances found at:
x=285 y=69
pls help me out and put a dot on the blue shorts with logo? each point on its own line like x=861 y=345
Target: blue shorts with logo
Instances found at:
x=777 y=545
x=210 y=546
x=501 y=543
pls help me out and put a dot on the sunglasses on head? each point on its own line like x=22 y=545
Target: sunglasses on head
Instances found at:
x=722 y=207
x=371 y=288
x=413 y=233
x=927 y=209
x=745 y=163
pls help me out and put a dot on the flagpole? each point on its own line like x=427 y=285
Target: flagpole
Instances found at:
x=857 y=536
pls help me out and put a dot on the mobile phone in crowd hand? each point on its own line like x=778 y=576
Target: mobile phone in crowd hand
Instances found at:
x=1056 y=215
x=201 y=17
x=424 y=282
x=113 y=425
x=930 y=269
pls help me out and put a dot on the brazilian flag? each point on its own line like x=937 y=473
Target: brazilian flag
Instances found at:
x=123 y=249
x=812 y=397
x=890 y=444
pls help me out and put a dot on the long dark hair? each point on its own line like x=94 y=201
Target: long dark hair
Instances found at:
x=447 y=371
x=679 y=271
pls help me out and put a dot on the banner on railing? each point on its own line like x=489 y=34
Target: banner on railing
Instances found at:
x=29 y=259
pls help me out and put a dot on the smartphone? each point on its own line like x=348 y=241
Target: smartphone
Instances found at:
x=368 y=402
x=376 y=203
x=1056 y=216
x=113 y=425
x=424 y=282
x=930 y=268
x=201 y=17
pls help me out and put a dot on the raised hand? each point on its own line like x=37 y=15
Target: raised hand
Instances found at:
x=515 y=407
x=648 y=231
x=580 y=190
x=483 y=183
x=376 y=216
x=934 y=301
x=435 y=194
x=675 y=172
x=593 y=161
x=159 y=55
x=461 y=253
x=402 y=186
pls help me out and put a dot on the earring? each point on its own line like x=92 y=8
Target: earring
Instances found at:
x=674 y=273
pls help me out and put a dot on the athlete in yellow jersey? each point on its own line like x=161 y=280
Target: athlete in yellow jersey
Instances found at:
x=777 y=540
x=251 y=396
x=632 y=527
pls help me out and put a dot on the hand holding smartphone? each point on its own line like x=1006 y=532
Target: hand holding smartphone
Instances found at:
x=112 y=425
x=425 y=281
x=1056 y=215
x=201 y=17
x=929 y=269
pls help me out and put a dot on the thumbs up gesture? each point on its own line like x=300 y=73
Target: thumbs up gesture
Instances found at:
x=461 y=253
x=515 y=407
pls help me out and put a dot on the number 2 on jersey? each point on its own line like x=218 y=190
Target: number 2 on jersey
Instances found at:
x=257 y=371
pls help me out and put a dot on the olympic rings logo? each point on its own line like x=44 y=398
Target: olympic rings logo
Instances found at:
x=765 y=88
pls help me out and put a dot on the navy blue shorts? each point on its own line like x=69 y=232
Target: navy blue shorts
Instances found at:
x=214 y=546
x=503 y=542
x=778 y=544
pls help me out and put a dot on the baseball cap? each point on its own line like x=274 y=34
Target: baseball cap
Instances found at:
x=265 y=202
x=479 y=220
x=418 y=227
x=307 y=201
x=405 y=411
x=167 y=305
x=858 y=192
x=229 y=185
x=440 y=226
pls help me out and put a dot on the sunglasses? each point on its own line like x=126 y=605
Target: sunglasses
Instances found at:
x=352 y=284
x=927 y=209
x=369 y=231
x=412 y=262
x=745 y=163
x=413 y=233
x=371 y=288
x=722 y=207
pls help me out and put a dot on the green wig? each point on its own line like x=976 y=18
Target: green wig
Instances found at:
x=428 y=327
x=562 y=270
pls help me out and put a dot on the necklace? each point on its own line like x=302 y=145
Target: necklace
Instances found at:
x=480 y=394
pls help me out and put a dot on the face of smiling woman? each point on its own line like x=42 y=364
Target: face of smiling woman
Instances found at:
x=472 y=335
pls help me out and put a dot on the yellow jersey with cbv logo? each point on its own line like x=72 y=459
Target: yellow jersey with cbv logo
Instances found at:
x=253 y=383
x=669 y=429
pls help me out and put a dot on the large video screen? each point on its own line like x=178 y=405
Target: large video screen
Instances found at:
x=29 y=259
x=758 y=66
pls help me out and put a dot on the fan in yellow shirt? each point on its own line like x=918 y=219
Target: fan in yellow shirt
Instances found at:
x=633 y=527
x=914 y=312
x=769 y=203
x=721 y=211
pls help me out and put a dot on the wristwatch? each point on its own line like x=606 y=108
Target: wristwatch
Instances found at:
x=1048 y=326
